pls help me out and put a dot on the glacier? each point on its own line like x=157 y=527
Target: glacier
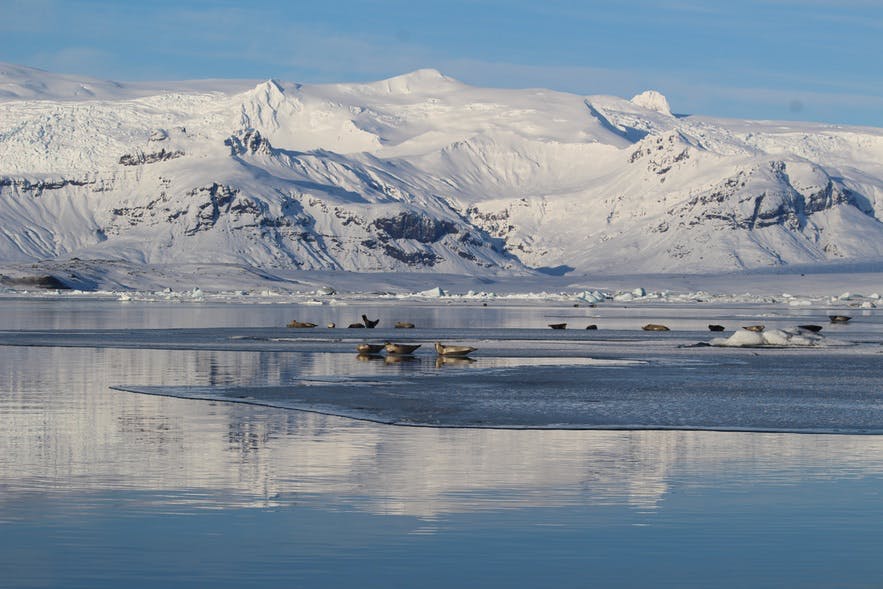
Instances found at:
x=418 y=173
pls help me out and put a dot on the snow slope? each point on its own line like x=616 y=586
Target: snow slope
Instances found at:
x=420 y=173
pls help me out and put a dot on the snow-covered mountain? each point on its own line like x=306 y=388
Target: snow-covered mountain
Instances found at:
x=420 y=172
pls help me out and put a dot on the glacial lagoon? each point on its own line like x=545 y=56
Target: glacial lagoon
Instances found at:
x=281 y=473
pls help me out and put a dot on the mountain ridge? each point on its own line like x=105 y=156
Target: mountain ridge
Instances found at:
x=421 y=172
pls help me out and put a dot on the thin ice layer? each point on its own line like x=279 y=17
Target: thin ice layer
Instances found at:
x=775 y=392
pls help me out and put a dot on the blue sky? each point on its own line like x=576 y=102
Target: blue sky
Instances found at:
x=816 y=60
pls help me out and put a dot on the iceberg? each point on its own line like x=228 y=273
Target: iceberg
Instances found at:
x=794 y=337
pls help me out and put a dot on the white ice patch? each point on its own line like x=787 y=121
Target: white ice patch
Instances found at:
x=784 y=338
x=436 y=292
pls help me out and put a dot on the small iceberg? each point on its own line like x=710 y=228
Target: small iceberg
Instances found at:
x=780 y=338
x=594 y=296
x=436 y=292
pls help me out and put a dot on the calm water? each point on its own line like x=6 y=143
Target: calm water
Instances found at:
x=100 y=488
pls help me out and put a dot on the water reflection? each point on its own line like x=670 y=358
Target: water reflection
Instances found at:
x=460 y=361
x=66 y=313
x=66 y=433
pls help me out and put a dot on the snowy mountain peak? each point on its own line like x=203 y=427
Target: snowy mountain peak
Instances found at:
x=422 y=80
x=421 y=172
x=652 y=100
x=25 y=83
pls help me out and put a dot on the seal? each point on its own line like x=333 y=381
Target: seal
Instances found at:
x=812 y=328
x=400 y=349
x=443 y=350
x=369 y=348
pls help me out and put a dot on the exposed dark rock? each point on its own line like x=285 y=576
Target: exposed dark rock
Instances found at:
x=412 y=259
x=469 y=239
x=209 y=211
x=250 y=141
x=413 y=226
x=142 y=158
x=555 y=270
x=39 y=186
x=48 y=281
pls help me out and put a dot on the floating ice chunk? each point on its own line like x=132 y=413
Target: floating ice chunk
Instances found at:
x=325 y=291
x=845 y=296
x=772 y=337
x=875 y=296
x=799 y=303
x=639 y=292
x=868 y=305
x=742 y=338
x=432 y=292
x=623 y=297
x=775 y=337
x=594 y=296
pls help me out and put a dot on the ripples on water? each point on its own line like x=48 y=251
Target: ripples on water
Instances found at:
x=100 y=488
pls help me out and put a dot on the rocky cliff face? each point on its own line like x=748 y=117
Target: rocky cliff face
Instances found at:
x=424 y=173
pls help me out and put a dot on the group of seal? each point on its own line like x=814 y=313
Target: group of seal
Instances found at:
x=364 y=324
x=370 y=324
x=394 y=349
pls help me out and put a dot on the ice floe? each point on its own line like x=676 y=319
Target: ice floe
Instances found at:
x=792 y=337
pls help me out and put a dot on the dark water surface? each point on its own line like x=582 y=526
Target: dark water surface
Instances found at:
x=101 y=488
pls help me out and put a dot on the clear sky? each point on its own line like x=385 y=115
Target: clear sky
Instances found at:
x=818 y=60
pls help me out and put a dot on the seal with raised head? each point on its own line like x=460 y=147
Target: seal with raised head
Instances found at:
x=369 y=348
x=443 y=350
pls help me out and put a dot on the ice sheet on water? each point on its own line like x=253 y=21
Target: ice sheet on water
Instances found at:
x=783 y=338
x=718 y=391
